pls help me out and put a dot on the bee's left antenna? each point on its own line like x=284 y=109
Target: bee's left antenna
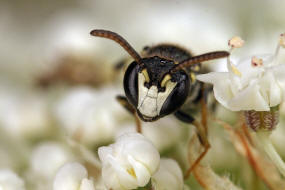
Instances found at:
x=120 y=40
x=199 y=58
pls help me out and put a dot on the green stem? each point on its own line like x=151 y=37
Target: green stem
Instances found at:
x=271 y=152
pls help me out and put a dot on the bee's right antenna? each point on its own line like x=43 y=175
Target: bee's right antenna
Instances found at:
x=199 y=58
x=120 y=40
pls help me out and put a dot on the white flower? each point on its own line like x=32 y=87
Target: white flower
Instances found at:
x=129 y=162
x=23 y=115
x=10 y=181
x=256 y=83
x=89 y=114
x=163 y=133
x=48 y=157
x=168 y=177
x=72 y=176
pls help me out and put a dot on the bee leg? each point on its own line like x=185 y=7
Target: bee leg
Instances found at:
x=124 y=102
x=204 y=110
x=201 y=133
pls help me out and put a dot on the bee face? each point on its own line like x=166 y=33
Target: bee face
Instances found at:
x=152 y=90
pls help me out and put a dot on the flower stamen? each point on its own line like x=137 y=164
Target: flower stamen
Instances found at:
x=256 y=62
x=235 y=42
x=132 y=172
x=282 y=40
x=281 y=43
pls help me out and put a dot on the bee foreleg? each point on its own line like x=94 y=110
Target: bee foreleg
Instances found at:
x=202 y=135
x=124 y=102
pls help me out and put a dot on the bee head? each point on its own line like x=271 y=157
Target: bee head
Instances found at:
x=153 y=90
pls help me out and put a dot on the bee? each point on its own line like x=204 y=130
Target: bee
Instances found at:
x=159 y=83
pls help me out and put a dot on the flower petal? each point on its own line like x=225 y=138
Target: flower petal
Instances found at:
x=141 y=171
x=270 y=89
x=87 y=184
x=249 y=99
x=69 y=177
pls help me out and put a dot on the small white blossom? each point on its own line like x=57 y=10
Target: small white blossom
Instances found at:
x=72 y=176
x=90 y=115
x=47 y=158
x=23 y=114
x=256 y=83
x=129 y=162
x=163 y=133
x=10 y=181
x=168 y=177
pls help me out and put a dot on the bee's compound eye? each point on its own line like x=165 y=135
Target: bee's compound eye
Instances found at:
x=177 y=96
x=131 y=83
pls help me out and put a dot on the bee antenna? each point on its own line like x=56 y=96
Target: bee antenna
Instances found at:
x=120 y=40
x=198 y=59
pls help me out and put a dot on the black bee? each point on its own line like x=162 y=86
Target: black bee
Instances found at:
x=160 y=83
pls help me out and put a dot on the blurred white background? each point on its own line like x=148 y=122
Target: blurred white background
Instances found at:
x=33 y=32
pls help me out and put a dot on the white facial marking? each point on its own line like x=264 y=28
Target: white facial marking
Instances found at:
x=150 y=101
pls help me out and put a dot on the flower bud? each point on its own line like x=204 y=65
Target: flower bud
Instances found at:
x=168 y=177
x=10 y=181
x=89 y=115
x=72 y=176
x=129 y=162
x=46 y=166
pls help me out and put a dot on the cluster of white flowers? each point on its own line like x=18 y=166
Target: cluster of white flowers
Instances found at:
x=131 y=162
x=256 y=83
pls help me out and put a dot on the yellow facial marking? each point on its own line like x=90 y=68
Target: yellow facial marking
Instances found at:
x=196 y=68
x=145 y=74
x=165 y=80
x=193 y=77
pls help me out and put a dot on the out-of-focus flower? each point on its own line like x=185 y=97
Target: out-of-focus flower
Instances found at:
x=23 y=115
x=48 y=157
x=89 y=115
x=6 y=160
x=168 y=177
x=163 y=133
x=10 y=180
x=129 y=162
x=256 y=83
x=72 y=176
